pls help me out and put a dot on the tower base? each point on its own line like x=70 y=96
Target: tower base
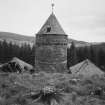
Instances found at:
x=51 y=68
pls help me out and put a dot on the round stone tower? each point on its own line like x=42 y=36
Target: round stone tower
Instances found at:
x=51 y=47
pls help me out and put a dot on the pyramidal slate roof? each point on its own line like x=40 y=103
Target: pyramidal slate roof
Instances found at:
x=86 y=68
x=51 y=26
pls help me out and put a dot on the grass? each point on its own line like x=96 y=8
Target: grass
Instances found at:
x=76 y=91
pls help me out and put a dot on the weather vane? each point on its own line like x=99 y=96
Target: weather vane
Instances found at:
x=52 y=4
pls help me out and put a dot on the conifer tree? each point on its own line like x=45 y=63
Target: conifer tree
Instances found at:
x=72 y=56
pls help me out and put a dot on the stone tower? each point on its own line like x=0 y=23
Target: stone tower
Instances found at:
x=51 y=47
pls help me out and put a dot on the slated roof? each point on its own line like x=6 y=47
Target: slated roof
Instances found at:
x=86 y=68
x=51 y=26
x=21 y=63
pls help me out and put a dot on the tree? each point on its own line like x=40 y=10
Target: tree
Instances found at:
x=94 y=55
x=72 y=58
x=8 y=50
x=80 y=54
x=101 y=59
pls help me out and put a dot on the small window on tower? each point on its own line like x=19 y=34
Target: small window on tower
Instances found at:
x=48 y=29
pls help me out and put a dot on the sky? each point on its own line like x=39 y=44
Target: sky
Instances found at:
x=81 y=19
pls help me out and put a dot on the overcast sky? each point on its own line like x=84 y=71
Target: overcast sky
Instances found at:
x=80 y=19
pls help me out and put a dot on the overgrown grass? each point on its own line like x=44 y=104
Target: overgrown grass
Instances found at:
x=76 y=90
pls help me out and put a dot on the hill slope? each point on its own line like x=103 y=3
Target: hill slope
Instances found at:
x=17 y=38
x=20 y=39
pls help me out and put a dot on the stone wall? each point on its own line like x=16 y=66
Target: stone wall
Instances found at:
x=51 y=53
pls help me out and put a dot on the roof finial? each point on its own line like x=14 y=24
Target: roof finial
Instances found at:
x=52 y=4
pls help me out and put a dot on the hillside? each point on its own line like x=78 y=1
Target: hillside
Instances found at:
x=17 y=38
x=20 y=39
x=79 y=43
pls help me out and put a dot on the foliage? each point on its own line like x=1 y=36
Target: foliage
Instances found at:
x=9 y=50
x=47 y=95
x=71 y=55
x=94 y=53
